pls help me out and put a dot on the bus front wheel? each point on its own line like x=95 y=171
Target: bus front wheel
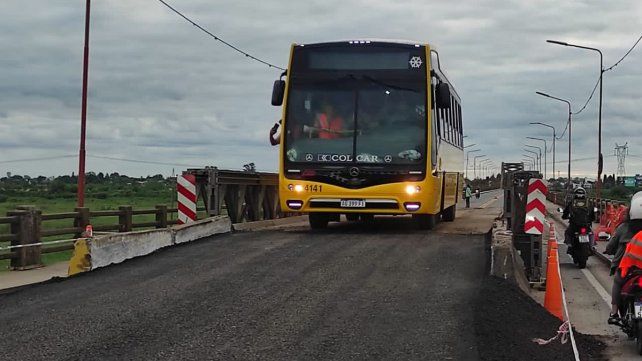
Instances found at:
x=318 y=220
x=450 y=213
x=426 y=221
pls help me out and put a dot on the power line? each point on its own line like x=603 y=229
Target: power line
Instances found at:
x=589 y=98
x=582 y=159
x=604 y=71
x=143 y=161
x=219 y=39
x=564 y=132
x=625 y=55
x=36 y=159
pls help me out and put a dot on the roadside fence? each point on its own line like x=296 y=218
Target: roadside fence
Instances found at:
x=28 y=227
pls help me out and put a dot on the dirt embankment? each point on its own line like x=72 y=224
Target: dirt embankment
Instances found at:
x=506 y=321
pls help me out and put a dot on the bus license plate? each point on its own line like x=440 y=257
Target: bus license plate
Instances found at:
x=584 y=238
x=353 y=203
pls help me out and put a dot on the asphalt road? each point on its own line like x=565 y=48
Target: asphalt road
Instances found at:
x=483 y=198
x=377 y=291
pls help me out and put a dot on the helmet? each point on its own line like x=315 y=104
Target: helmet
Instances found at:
x=635 y=211
x=579 y=193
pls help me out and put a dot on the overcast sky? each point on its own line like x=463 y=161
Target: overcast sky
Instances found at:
x=162 y=91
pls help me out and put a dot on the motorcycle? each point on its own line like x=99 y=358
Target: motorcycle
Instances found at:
x=581 y=247
x=630 y=308
x=477 y=193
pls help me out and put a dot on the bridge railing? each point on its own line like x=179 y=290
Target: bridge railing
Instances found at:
x=32 y=233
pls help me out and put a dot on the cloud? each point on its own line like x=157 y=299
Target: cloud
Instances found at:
x=160 y=90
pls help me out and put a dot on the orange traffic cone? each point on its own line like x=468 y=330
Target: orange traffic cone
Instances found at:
x=553 y=296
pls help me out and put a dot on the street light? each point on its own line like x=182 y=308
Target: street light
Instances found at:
x=554 y=135
x=545 y=150
x=534 y=160
x=475 y=164
x=483 y=167
x=598 y=181
x=568 y=182
x=537 y=158
x=539 y=149
x=467 y=154
x=469 y=145
x=529 y=162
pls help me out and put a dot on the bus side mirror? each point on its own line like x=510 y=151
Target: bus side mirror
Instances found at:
x=277 y=92
x=443 y=96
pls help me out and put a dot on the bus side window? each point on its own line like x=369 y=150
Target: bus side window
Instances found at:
x=454 y=120
x=461 y=133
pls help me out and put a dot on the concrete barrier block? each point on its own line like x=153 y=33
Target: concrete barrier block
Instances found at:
x=270 y=223
x=116 y=248
x=505 y=262
x=201 y=229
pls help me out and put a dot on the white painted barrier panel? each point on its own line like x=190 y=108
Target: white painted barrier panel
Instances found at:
x=201 y=229
x=118 y=247
x=186 y=196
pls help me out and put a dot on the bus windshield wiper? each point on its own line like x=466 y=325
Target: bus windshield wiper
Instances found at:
x=385 y=85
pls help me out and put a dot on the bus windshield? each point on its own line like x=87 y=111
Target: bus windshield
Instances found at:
x=356 y=118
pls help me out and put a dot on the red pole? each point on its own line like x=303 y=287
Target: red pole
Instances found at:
x=83 y=114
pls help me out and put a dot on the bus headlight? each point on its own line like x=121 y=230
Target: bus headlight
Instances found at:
x=410 y=189
x=295 y=188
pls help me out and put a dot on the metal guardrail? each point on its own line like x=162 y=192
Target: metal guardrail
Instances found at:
x=247 y=196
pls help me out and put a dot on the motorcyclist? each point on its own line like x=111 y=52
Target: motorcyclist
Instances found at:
x=617 y=247
x=579 y=215
x=477 y=193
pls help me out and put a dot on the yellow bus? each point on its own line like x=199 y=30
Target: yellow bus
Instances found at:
x=369 y=127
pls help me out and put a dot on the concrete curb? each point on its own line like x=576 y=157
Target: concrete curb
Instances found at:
x=268 y=224
x=201 y=229
x=115 y=248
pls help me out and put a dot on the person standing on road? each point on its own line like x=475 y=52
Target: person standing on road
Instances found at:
x=467 y=194
x=618 y=247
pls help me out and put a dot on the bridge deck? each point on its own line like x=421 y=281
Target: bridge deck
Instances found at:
x=384 y=291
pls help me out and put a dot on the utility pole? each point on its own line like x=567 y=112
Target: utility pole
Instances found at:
x=83 y=112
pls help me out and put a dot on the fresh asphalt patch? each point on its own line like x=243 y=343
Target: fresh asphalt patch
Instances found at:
x=507 y=319
x=382 y=290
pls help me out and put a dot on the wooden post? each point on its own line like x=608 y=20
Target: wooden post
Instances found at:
x=161 y=216
x=27 y=230
x=82 y=220
x=125 y=219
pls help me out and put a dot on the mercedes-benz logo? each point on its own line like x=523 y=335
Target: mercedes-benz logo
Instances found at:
x=387 y=158
x=354 y=171
x=309 y=157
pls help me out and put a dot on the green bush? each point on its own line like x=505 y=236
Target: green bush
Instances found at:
x=620 y=192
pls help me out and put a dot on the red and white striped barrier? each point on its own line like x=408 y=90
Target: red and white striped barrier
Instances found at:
x=535 y=207
x=186 y=189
